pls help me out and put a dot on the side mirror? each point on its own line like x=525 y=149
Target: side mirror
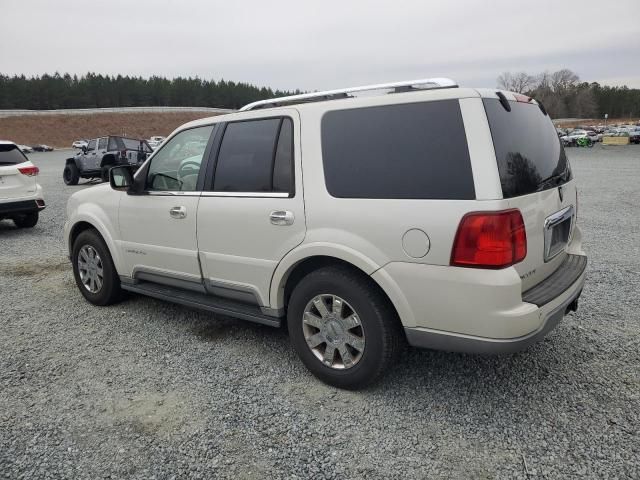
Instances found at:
x=84 y=149
x=121 y=178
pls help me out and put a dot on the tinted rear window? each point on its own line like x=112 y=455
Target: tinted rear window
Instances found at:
x=416 y=150
x=527 y=147
x=11 y=155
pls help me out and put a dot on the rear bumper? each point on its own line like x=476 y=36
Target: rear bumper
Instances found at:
x=454 y=342
x=480 y=311
x=21 y=207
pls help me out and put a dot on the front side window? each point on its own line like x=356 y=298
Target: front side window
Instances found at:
x=176 y=166
x=256 y=156
x=92 y=145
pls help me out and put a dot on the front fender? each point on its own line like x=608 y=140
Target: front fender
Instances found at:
x=101 y=214
x=74 y=160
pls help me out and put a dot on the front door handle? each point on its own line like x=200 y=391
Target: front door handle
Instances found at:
x=178 y=212
x=281 y=217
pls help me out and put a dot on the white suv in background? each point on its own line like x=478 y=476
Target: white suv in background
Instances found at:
x=20 y=194
x=425 y=215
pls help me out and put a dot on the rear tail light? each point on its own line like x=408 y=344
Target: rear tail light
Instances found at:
x=490 y=240
x=31 y=171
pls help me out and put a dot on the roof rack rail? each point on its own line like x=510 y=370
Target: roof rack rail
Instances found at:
x=398 y=87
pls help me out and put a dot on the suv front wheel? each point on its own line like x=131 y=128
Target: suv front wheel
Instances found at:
x=93 y=269
x=71 y=174
x=343 y=329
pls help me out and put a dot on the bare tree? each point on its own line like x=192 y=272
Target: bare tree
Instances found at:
x=560 y=92
x=563 y=80
x=520 y=82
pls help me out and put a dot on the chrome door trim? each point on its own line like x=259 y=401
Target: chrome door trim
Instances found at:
x=550 y=222
x=173 y=193
x=247 y=194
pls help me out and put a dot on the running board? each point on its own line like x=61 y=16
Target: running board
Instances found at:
x=203 y=301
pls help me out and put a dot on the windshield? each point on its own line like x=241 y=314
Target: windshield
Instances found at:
x=11 y=155
x=528 y=150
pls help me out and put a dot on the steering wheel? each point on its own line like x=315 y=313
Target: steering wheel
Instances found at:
x=188 y=168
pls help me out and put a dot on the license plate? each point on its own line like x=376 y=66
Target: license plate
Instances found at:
x=557 y=232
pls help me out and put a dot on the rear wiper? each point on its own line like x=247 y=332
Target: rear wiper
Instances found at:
x=553 y=180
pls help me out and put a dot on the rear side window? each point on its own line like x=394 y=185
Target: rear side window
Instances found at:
x=102 y=144
x=135 y=144
x=528 y=150
x=408 y=151
x=255 y=156
x=11 y=155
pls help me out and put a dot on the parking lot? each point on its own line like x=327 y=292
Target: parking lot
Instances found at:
x=148 y=389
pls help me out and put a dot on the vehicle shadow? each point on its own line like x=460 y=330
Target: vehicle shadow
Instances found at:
x=416 y=370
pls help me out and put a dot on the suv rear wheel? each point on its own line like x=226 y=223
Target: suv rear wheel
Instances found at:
x=71 y=174
x=93 y=269
x=343 y=329
x=28 y=220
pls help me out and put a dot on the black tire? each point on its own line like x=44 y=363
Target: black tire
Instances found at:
x=380 y=324
x=104 y=172
x=110 y=291
x=71 y=174
x=28 y=220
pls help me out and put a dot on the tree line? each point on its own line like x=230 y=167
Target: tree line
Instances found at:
x=565 y=96
x=98 y=91
x=562 y=93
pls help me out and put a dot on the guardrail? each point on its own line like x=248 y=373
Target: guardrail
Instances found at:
x=91 y=111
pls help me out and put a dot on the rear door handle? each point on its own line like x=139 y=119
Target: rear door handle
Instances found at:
x=178 y=212
x=281 y=217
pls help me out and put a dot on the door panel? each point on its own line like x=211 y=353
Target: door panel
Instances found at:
x=91 y=155
x=243 y=235
x=155 y=241
x=158 y=228
x=239 y=246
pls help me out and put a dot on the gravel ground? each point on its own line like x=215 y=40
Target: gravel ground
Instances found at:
x=146 y=389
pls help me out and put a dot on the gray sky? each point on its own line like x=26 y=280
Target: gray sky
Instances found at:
x=325 y=44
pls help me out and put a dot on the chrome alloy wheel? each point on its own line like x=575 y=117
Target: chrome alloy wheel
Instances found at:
x=90 y=268
x=333 y=331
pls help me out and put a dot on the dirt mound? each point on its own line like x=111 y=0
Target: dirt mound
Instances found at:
x=61 y=130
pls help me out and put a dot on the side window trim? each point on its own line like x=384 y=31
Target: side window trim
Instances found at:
x=292 y=178
x=213 y=157
x=144 y=170
x=212 y=166
x=276 y=140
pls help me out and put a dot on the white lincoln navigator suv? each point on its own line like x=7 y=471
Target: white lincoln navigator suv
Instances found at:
x=364 y=218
